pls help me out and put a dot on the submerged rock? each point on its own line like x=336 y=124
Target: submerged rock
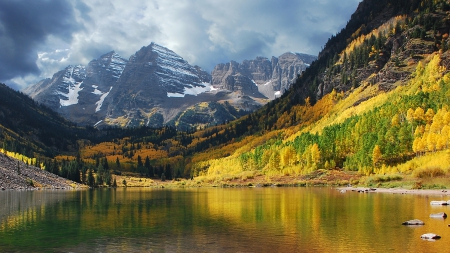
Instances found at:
x=413 y=222
x=438 y=215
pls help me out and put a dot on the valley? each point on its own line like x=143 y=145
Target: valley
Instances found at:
x=372 y=110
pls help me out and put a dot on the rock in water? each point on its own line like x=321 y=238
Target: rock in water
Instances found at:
x=438 y=203
x=413 y=222
x=430 y=236
x=438 y=215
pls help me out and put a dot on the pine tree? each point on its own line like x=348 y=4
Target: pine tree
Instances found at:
x=100 y=172
x=90 y=178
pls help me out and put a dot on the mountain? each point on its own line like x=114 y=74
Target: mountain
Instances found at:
x=78 y=92
x=271 y=77
x=156 y=87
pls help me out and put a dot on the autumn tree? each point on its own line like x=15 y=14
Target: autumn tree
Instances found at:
x=376 y=156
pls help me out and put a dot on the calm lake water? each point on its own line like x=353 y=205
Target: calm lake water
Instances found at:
x=217 y=220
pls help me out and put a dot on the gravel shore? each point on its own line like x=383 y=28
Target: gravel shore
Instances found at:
x=29 y=177
x=394 y=191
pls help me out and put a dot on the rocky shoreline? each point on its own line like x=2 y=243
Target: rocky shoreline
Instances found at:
x=29 y=177
x=393 y=191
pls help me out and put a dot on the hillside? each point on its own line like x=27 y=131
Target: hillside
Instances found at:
x=15 y=174
x=33 y=129
x=359 y=109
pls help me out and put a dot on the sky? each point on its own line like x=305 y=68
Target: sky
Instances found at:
x=40 y=37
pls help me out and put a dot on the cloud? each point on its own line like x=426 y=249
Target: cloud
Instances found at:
x=204 y=32
x=25 y=26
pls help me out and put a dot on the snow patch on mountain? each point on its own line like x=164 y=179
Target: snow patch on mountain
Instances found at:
x=72 y=96
x=96 y=124
x=71 y=81
x=102 y=98
x=194 y=91
x=96 y=91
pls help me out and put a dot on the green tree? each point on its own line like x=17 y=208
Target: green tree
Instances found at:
x=100 y=175
x=117 y=163
x=90 y=178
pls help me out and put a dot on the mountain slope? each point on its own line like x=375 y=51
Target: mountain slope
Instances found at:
x=32 y=129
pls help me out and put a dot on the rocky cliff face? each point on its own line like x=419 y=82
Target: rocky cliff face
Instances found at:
x=261 y=76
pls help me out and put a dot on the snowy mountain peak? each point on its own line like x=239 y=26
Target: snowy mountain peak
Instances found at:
x=114 y=63
x=175 y=75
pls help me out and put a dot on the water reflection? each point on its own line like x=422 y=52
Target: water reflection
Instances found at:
x=216 y=220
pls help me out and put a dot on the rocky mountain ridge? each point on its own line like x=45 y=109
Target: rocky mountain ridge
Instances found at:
x=271 y=77
x=156 y=87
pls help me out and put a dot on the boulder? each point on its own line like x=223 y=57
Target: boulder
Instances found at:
x=413 y=222
x=439 y=203
x=438 y=215
x=430 y=236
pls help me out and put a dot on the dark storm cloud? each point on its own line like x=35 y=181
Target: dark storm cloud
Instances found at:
x=41 y=37
x=25 y=26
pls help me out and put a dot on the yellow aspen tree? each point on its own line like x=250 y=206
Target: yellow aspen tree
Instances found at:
x=376 y=156
x=274 y=161
x=288 y=156
x=421 y=145
x=438 y=122
x=419 y=114
x=416 y=145
x=446 y=118
x=395 y=121
x=445 y=133
x=429 y=115
x=327 y=165
x=427 y=128
x=431 y=142
x=315 y=154
x=419 y=131
x=410 y=115
x=266 y=156
x=434 y=71
x=441 y=142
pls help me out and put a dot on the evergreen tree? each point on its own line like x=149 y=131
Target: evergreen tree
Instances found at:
x=100 y=175
x=90 y=178
x=148 y=167
x=117 y=163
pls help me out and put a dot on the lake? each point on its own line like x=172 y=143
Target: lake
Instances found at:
x=305 y=219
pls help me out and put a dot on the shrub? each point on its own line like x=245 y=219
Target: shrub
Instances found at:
x=429 y=172
x=30 y=182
